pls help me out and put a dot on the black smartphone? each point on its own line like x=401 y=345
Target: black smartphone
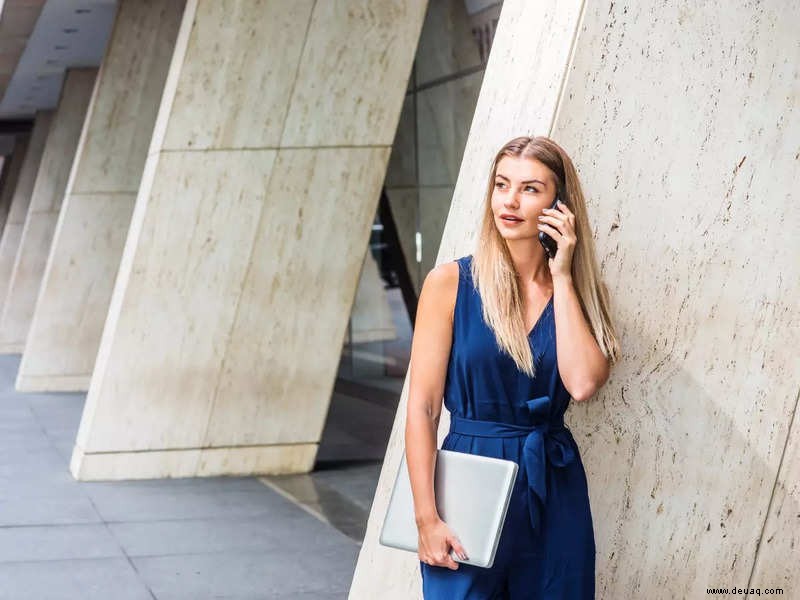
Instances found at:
x=550 y=246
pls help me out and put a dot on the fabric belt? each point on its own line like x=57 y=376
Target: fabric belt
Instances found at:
x=546 y=440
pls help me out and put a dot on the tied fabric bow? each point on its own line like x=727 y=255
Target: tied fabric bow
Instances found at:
x=546 y=442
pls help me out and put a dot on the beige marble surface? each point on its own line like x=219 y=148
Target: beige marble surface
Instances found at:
x=240 y=268
x=691 y=167
x=683 y=125
x=12 y=230
x=245 y=98
x=45 y=204
x=75 y=292
x=339 y=35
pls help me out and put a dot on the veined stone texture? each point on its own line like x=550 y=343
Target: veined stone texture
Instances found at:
x=683 y=124
x=75 y=293
x=45 y=204
x=227 y=317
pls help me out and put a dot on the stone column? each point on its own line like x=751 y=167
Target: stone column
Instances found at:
x=12 y=166
x=12 y=231
x=683 y=126
x=73 y=300
x=40 y=222
x=226 y=322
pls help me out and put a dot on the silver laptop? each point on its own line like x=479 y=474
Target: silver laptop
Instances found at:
x=472 y=496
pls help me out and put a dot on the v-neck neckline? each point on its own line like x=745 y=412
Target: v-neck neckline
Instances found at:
x=541 y=315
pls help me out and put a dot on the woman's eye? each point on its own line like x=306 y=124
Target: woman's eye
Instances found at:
x=498 y=184
x=530 y=187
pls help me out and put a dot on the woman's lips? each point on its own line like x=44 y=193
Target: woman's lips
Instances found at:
x=511 y=221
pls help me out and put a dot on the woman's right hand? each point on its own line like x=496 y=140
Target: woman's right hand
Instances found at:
x=435 y=539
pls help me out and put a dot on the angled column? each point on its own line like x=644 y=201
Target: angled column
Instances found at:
x=12 y=167
x=689 y=168
x=40 y=222
x=21 y=199
x=250 y=226
x=73 y=299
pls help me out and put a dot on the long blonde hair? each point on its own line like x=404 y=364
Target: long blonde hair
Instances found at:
x=497 y=280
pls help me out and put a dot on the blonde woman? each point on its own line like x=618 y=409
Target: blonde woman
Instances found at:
x=505 y=337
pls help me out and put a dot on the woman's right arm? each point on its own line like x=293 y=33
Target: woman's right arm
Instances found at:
x=430 y=354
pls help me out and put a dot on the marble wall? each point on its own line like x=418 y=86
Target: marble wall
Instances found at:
x=683 y=124
x=75 y=293
x=248 y=234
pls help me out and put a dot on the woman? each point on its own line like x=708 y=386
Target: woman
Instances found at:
x=485 y=340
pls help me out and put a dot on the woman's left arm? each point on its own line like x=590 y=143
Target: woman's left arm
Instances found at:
x=581 y=363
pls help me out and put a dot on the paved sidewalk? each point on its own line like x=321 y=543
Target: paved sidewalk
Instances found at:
x=223 y=537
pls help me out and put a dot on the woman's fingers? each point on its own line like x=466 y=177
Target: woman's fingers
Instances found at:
x=456 y=543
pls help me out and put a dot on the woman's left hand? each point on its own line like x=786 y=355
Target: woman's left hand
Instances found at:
x=559 y=224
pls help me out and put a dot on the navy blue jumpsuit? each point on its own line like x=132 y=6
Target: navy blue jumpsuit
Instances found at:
x=546 y=549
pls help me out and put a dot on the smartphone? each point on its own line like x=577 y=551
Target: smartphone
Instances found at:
x=550 y=246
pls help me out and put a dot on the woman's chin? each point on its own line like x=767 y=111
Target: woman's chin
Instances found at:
x=515 y=235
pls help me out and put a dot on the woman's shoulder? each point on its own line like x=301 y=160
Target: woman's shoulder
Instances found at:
x=444 y=277
x=440 y=288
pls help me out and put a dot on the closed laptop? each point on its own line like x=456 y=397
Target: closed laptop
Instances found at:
x=472 y=496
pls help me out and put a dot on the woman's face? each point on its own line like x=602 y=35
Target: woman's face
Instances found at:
x=522 y=188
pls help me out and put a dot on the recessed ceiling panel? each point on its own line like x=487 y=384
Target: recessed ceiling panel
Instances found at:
x=68 y=33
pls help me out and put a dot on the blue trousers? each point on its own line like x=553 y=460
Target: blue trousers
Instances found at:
x=546 y=549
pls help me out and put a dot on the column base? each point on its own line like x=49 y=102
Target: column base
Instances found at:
x=276 y=459
x=52 y=383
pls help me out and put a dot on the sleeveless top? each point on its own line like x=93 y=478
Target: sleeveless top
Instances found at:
x=484 y=382
x=496 y=409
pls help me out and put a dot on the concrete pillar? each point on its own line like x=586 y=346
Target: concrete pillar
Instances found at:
x=12 y=231
x=684 y=127
x=73 y=300
x=12 y=167
x=40 y=222
x=238 y=274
